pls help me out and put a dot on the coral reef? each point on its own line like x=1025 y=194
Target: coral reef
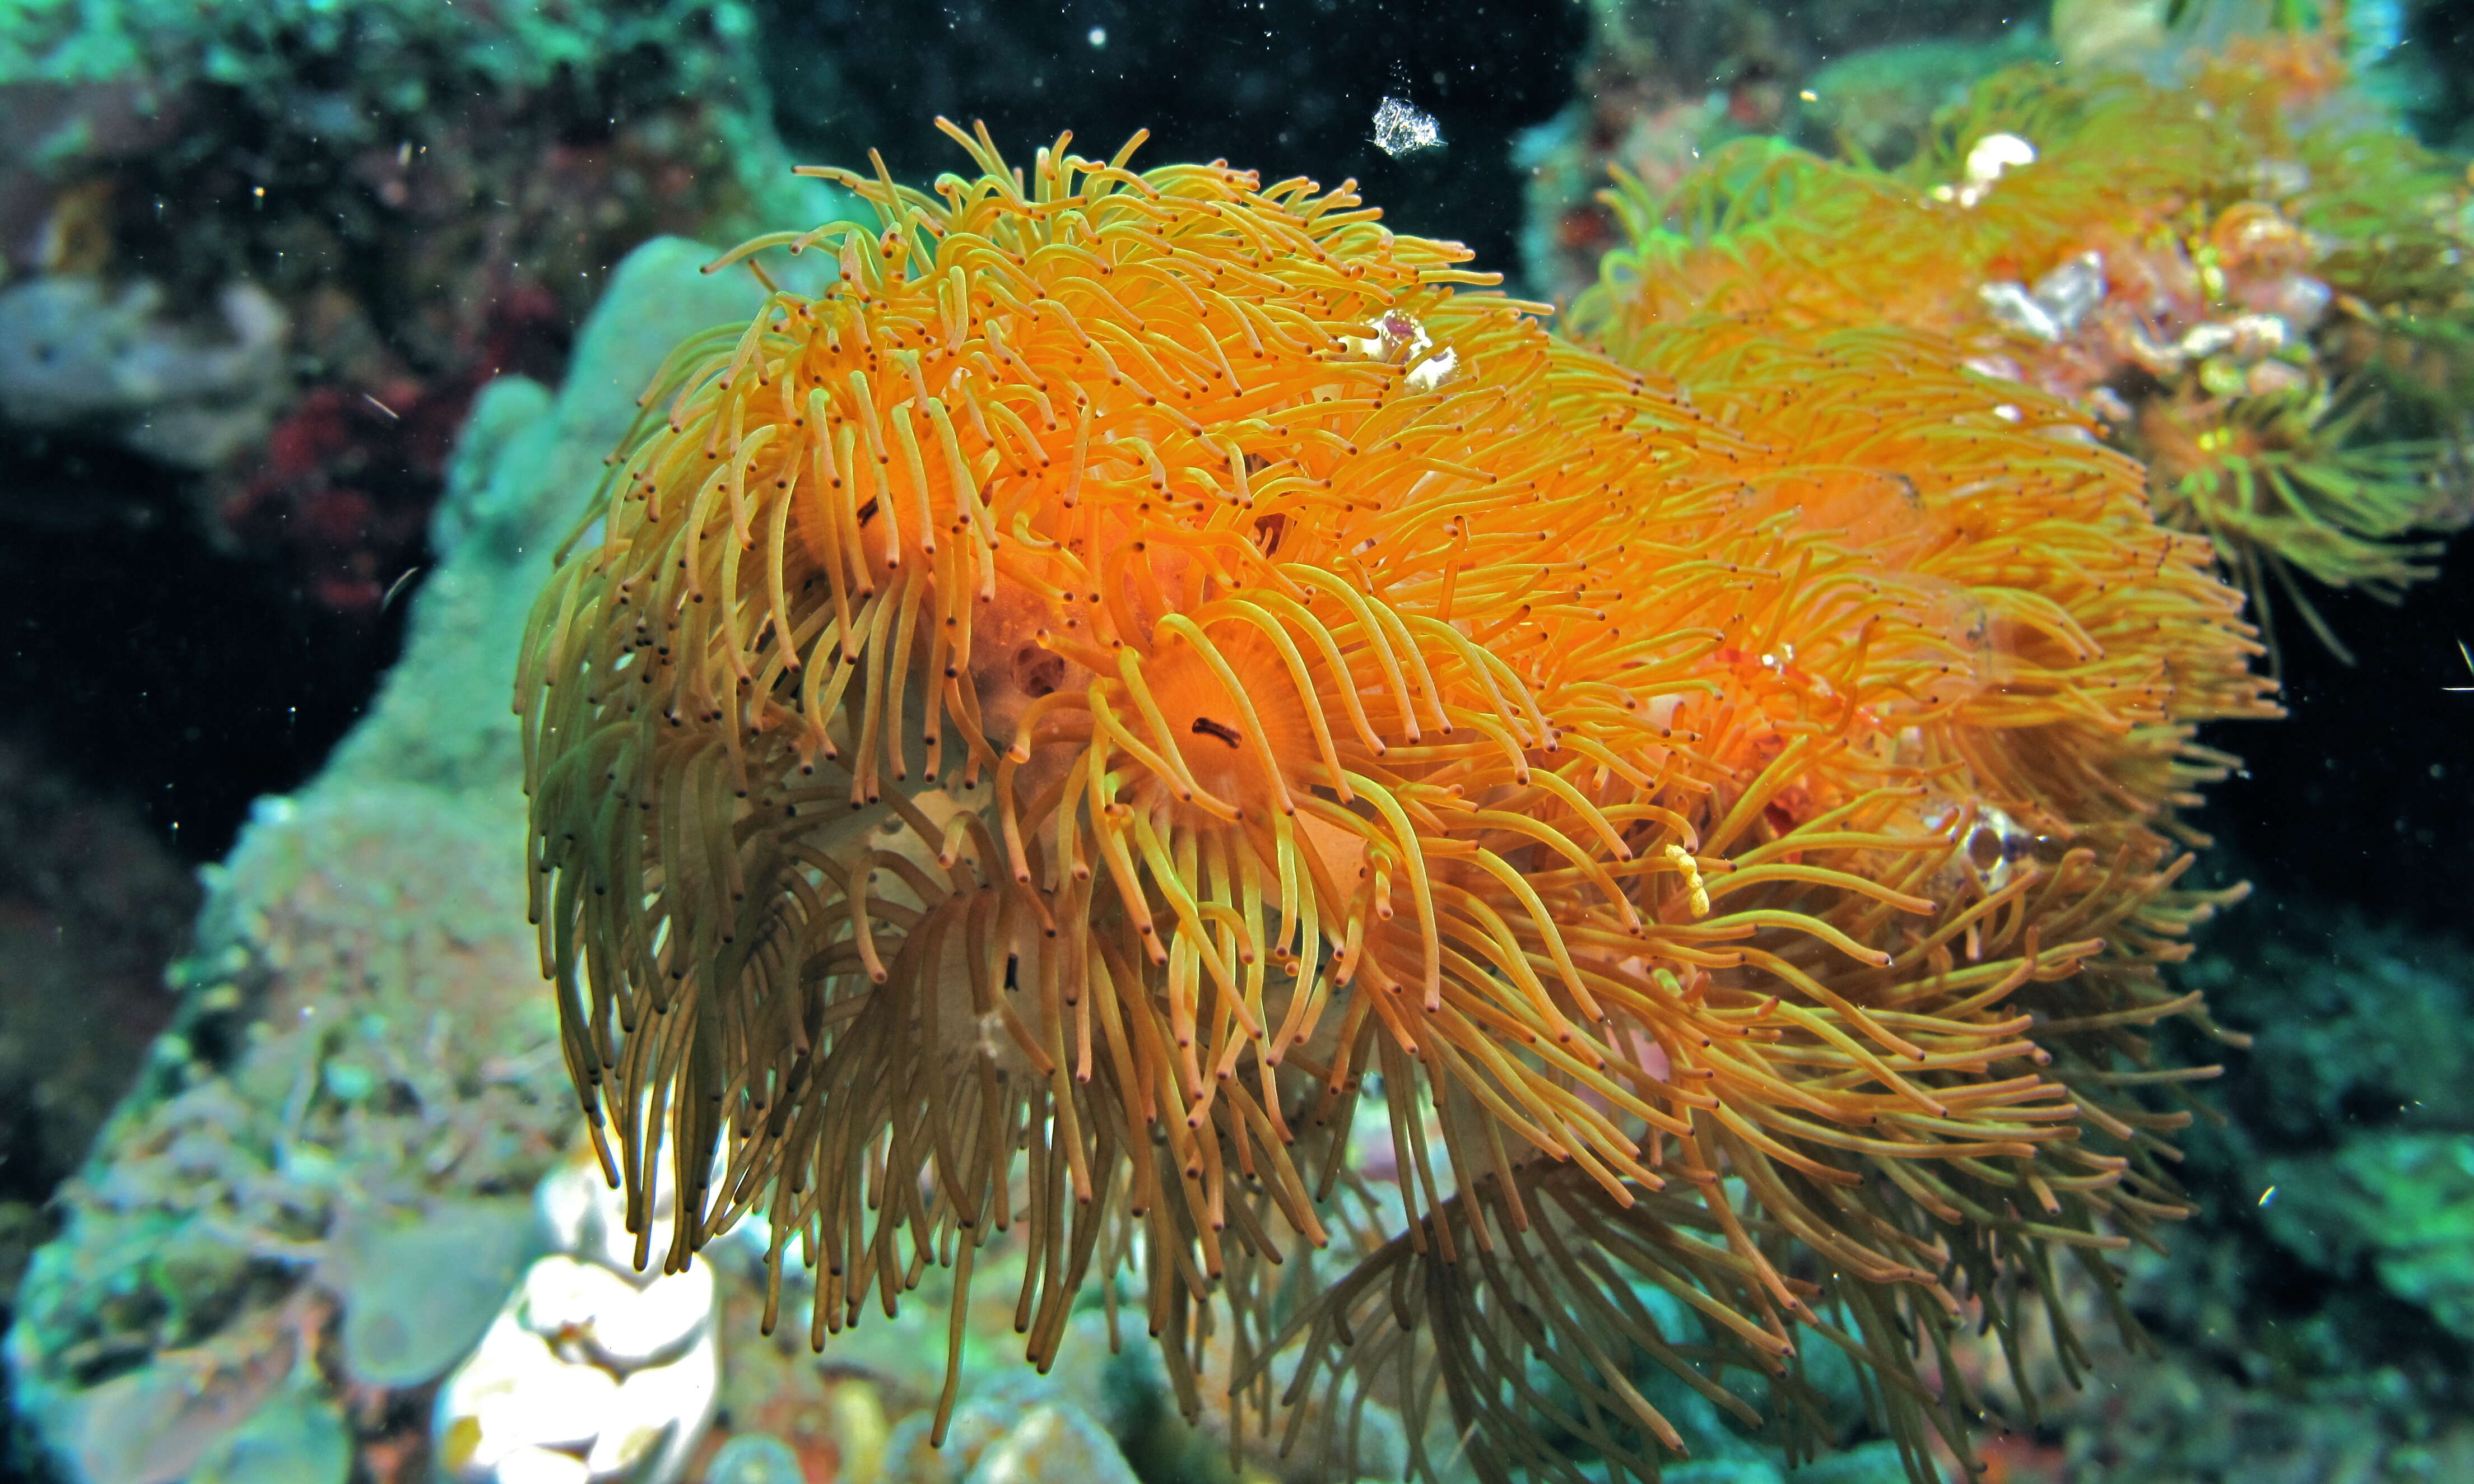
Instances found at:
x=395 y=200
x=91 y=909
x=310 y=1102
x=1130 y=770
x=319 y=1196
x=2352 y=1104
x=1035 y=738
x=345 y=85
x=316 y=1206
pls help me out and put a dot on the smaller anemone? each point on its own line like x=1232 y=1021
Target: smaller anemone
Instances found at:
x=2268 y=296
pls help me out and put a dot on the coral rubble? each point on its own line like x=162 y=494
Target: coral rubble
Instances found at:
x=592 y=1369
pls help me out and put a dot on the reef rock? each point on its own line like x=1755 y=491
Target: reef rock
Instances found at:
x=76 y=354
x=340 y=1134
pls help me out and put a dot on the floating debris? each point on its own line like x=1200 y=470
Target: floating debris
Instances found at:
x=1401 y=129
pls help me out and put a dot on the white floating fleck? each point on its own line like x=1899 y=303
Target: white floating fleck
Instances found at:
x=1400 y=128
x=593 y=1370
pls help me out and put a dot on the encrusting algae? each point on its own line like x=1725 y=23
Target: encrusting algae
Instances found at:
x=2250 y=283
x=1148 y=672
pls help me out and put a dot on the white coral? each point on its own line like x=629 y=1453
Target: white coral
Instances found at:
x=592 y=1371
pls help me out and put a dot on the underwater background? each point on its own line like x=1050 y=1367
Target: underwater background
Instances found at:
x=318 y=317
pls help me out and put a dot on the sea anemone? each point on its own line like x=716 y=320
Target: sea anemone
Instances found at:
x=1144 y=672
x=2243 y=260
x=2279 y=486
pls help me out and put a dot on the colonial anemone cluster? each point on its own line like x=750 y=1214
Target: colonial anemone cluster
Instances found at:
x=2246 y=279
x=1144 y=674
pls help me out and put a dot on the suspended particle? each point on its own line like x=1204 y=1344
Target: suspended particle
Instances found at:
x=1400 y=128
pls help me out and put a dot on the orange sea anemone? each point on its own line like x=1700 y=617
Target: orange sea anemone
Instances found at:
x=1144 y=674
